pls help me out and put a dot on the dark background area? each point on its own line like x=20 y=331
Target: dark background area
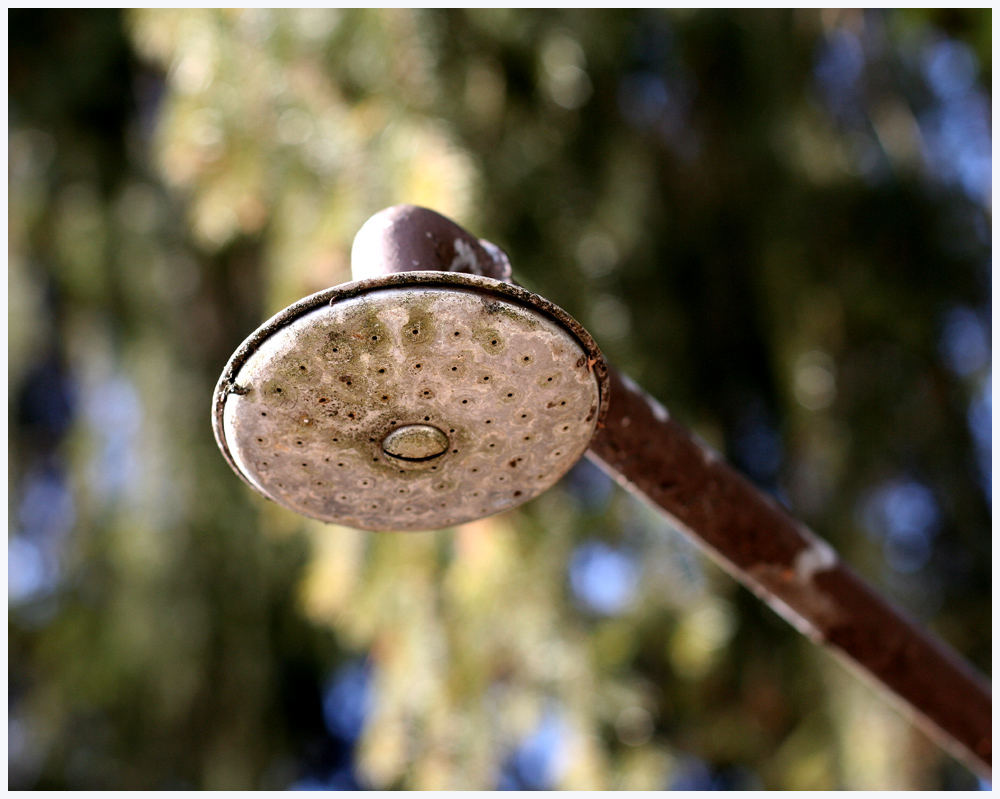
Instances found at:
x=779 y=223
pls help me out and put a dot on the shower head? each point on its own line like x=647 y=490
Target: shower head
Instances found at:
x=411 y=400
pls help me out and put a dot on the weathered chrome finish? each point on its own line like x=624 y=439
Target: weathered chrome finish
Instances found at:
x=410 y=401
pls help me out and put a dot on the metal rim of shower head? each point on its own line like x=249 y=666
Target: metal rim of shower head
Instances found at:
x=482 y=291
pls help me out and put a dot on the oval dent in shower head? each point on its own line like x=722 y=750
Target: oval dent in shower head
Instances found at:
x=410 y=401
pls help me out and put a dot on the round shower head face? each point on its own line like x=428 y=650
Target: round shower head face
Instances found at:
x=412 y=401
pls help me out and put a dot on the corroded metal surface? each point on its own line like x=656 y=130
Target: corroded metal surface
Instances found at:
x=368 y=404
x=306 y=409
x=794 y=571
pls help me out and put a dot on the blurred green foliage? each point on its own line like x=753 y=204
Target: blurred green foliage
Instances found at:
x=778 y=222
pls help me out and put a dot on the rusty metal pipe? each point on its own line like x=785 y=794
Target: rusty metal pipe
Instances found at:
x=798 y=574
x=761 y=545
